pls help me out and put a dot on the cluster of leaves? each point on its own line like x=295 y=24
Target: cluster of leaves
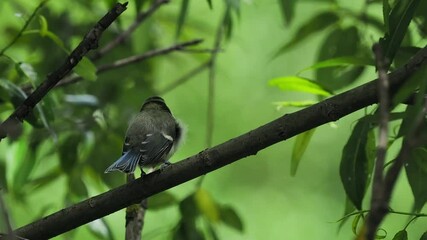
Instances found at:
x=342 y=58
x=200 y=214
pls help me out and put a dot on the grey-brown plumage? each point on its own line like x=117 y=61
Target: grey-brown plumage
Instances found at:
x=151 y=138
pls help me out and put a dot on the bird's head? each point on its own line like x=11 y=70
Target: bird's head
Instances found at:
x=155 y=103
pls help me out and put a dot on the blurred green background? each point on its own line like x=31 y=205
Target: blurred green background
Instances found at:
x=80 y=127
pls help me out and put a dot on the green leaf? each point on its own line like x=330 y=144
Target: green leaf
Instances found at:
x=416 y=171
x=207 y=205
x=187 y=231
x=138 y=5
x=341 y=62
x=300 y=145
x=24 y=165
x=424 y=236
x=210 y=4
x=355 y=223
x=43 y=26
x=162 y=200
x=288 y=10
x=386 y=13
x=349 y=208
x=299 y=84
x=68 y=152
x=398 y=22
x=401 y=235
x=100 y=229
x=86 y=69
x=295 y=103
x=411 y=85
x=27 y=70
x=188 y=207
x=76 y=185
x=312 y=26
x=182 y=16
x=341 y=42
x=230 y=218
x=3 y=179
x=212 y=232
x=357 y=162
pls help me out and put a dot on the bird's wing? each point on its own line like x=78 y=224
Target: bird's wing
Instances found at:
x=155 y=148
x=126 y=163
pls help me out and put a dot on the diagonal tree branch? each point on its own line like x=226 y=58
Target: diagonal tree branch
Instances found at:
x=216 y=157
x=89 y=42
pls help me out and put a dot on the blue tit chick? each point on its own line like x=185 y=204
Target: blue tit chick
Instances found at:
x=151 y=139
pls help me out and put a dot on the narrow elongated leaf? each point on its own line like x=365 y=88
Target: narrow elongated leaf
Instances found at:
x=182 y=16
x=355 y=223
x=357 y=162
x=3 y=180
x=341 y=62
x=77 y=186
x=288 y=9
x=416 y=171
x=210 y=4
x=25 y=163
x=207 y=205
x=86 y=69
x=416 y=81
x=299 y=84
x=162 y=200
x=43 y=26
x=306 y=103
x=230 y=217
x=300 y=145
x=398 y=22
x=386 y=13
x=138 y=5
x=341 y=42
x=349 y=208
x=100 y=229
x=312 y=26
x=401 y=235
x=424 y=236
x=68 y=152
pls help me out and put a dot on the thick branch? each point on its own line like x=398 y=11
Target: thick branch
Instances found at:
x=216 y=157
x=89 y=42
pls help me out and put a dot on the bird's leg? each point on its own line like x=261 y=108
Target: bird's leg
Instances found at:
x=142 y=171
x=164 y=165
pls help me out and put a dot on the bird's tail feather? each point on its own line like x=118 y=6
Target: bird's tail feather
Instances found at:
x=126 y=163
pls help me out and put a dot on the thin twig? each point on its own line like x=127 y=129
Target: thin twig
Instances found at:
x=23 y=27
x=184 y=78
x=130 y=60
x=377 y=202
x=124 y=35
x=211 y=83
x=89 y=42
x=135 y=216
x=410 y=142
x=210 y=118
x=141 y=57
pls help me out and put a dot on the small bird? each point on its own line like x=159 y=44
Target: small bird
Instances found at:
x=151 y=139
